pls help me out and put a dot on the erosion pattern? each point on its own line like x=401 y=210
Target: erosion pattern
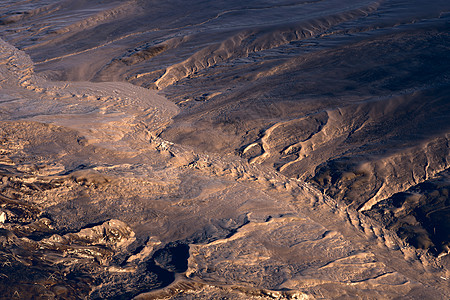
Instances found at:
x=211 y=149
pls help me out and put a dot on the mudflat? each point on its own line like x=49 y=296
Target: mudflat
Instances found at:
x=224 y=149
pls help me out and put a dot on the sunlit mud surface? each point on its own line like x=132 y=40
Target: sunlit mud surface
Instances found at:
x=224 y=149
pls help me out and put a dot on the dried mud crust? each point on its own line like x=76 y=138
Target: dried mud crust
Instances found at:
x=223 y=227
x=107 y=193
x=418 y=215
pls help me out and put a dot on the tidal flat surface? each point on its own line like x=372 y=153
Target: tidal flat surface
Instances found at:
x=224 y=149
